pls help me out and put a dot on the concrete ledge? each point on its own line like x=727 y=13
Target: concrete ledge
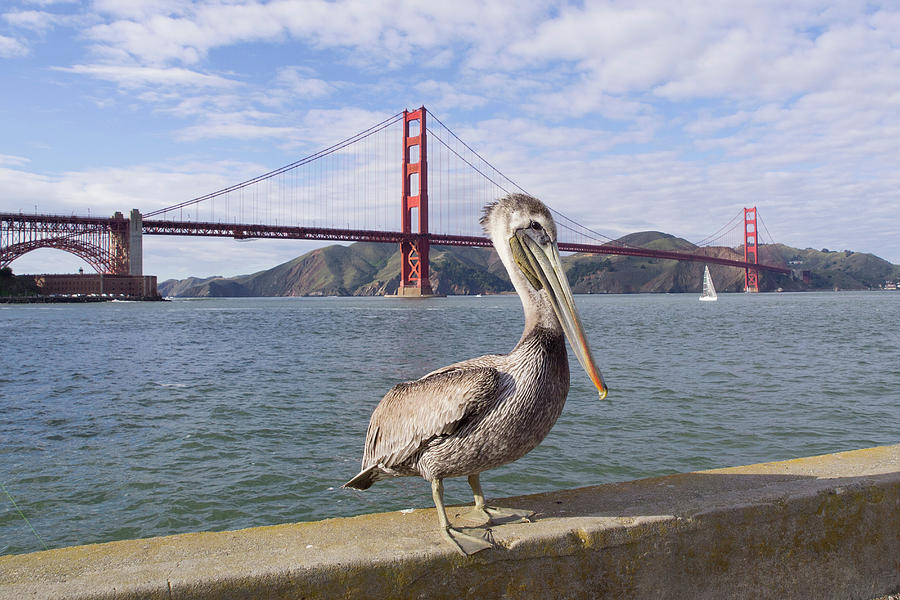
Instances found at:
x=821 y=527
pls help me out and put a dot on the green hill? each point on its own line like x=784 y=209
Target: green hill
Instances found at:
x=845 y=270
x=370 y=269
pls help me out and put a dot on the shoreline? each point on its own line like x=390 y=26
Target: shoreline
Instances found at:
x=75 y=299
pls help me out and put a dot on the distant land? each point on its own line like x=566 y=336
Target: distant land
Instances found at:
x=370 y=269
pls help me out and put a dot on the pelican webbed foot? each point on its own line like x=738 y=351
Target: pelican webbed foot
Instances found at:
x=483 y=516
x=469 y=543
x=465 y=542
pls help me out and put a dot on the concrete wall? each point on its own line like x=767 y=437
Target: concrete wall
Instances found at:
x=821 y=527
x=118 y=285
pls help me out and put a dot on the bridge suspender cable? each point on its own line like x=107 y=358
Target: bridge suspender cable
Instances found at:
x=331 y=149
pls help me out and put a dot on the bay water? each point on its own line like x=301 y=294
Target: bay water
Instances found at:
x=125 y=420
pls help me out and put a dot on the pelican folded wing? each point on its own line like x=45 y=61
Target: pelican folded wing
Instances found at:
x=415 y=412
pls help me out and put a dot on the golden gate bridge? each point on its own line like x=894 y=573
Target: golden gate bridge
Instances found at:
x=351 y=191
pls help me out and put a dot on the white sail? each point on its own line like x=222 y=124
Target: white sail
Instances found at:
x=709 y=290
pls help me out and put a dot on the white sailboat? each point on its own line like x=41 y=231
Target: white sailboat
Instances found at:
x=709 y=290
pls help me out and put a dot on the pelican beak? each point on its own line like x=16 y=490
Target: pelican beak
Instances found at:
x=541 y=265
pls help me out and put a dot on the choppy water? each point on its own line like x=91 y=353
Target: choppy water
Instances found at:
x=126 y=420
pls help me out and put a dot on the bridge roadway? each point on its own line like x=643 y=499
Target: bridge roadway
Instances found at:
x=243 y=231
x=66 y=226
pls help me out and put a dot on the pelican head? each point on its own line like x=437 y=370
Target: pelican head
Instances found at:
x=524 y=234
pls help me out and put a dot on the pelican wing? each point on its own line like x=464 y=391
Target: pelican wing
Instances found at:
x=415 y=412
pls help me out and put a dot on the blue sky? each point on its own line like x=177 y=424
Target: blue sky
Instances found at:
x=626 y=116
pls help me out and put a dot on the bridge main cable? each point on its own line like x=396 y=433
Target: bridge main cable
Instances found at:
x=303 y=161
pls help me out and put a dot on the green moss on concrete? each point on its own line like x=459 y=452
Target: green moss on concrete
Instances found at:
x=819 y=527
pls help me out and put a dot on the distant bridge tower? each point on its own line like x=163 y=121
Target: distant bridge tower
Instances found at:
x=751 y=251
x=135 y=243
x=414 y=249
x=126 y=244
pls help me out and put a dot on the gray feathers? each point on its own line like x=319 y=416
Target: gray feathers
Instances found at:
x=414 y=413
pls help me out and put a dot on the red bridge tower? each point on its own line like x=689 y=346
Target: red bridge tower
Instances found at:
x=414 y=249
x=751 y=251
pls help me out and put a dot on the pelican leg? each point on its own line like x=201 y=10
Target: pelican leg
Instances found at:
x=482 y=514
x=464 y=543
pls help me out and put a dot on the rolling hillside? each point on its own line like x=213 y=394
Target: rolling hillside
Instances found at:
x=369 y=269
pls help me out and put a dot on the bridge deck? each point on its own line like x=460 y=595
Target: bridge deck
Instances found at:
x=244 y=231
x=64 y=226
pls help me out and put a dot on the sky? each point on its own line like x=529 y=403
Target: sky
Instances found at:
x=625 y=116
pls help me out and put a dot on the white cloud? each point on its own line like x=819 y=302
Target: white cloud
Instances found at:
x=586 y=96
x=442 y=95
x=49 y=2
x=233 y=126
x=679 y=52
x=324 y=127
x=136 y=9
x=381 y=31
x=157 y=35
x=646 y=115
x=706 y=124
x=747 y=64
x=11 y=47
x=33 y=20
x=136 y=76
x=16 y=161
x=300 y=82
x=106 y=190
x=550 y=141
x=316 y=129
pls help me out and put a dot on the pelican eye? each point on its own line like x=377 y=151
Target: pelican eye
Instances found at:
x=536 y=226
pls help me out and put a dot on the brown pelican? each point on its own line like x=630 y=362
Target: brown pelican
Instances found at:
x=487 y=411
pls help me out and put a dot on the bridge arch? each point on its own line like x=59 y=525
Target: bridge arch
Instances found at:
x=103 y=243
x=92 y=254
